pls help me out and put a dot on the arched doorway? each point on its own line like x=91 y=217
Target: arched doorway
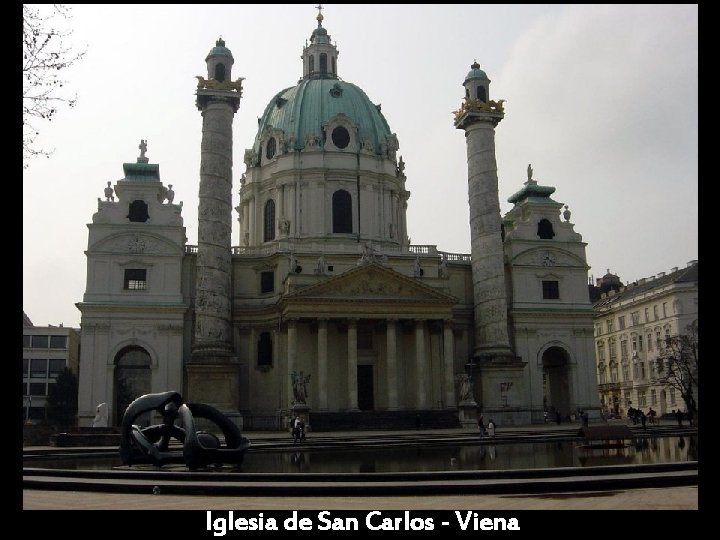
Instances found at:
x=132 y=380
x=556 y=380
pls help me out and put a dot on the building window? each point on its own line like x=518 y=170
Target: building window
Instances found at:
x=647 y=315
x=649 y=342
x=334 y=65
x=267 y=282
x=672 y=396
x=39 y=342
x=603 y=374
x=26 y=364
x=655 y=313
x=642 y=401
x=658 y=340
x=634 y=344
x=135 y=279
x=635 y=318
x=545 y=230
x=653 y=397
x=625 y=371
x=667 y=336
x=642 y=370
x=613 y=372
x=342 y=212
x=551 y=290
x=26 y=341
x=270 y=148
x=264 y=350
x=269 y=221
x=58 y=342
x=636 y=370
x=138 y=212
x=312 y=63
x=609 y=324
x=340 y=137
x=598 y=329
x=623 y=348
x=481 y=94
x=664 y=309
x=38 y=368
x=38 y=389
x=621 y=322
x=55 y=367
x=220 y=72
x=613 y=348
x=323 y=63
x=601 y=350
x=640 y=343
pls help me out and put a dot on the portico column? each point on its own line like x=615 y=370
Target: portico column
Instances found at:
x=421 y=363
x=352 y=365
x=448 y=356
x=322 y=364
x=291 y=357
x=392 y=384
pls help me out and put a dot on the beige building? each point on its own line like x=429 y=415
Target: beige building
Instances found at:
x=326 y=308
x=632 y=323
x=47 y=350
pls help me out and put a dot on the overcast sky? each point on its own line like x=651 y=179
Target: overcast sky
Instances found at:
x=600 y=99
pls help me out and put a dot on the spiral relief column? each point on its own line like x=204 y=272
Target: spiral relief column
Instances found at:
x=213 y=368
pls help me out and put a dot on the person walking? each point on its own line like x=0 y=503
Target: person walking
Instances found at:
x=491 y=428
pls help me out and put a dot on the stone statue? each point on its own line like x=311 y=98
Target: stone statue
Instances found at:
x=101 y=416
x=443 y=269
x=529 y=172
x=109 y=192
x=299 y=386
x=321 y=265
x=143 y=148
x=465 y=387
x=417 y=269
x=170 y=195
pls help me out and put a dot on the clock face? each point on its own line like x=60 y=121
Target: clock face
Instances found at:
x=549 y=259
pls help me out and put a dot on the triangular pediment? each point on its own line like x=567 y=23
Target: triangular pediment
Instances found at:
x=372 y=282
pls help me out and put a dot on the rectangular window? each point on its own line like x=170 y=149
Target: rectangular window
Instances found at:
x=647 y=315
x=635 y=318
x=24 y=391
x=613 y=348
x=26 y=341
x=598 y=329
x=653 y=397
x=39 y=342
x=625 y=372
x=58 y=342
x=267 y=282
x=601 y=350
x=642 y=402
x=664 y=309
x=609 y=324
x=26 y=364
x=655 y=313
x=640 y=346
x=634 y=344
x=551 y=290
x=623 y=348
x=642 y=370
x=55 y=368
x=621 y=322
x=38 y=368
x=37 y=389
x=135 y=279
x=636 y=371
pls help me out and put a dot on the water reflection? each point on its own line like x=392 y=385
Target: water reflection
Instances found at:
x=440 y=458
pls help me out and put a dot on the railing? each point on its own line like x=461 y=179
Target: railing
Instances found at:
x=286 y=247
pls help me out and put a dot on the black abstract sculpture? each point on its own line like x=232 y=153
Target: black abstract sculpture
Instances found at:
x=199 y=448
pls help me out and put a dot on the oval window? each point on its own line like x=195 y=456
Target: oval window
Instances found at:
x=340 y=137
x=270 y=148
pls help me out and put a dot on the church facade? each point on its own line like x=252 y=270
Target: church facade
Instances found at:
x=326 y=308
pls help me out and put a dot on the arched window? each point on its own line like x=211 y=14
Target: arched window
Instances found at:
x=323 y=63
x=312 y=63
x=334 y=66
x=220 y=72
x=545 y=230
x=481 y=94
x=269 y=221
x=342 y=212
x=270 y=148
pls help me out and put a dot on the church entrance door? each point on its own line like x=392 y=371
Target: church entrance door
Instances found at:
x=366 y=390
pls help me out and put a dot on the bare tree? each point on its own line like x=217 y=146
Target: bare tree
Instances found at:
x=677 y=366
x=45 y=56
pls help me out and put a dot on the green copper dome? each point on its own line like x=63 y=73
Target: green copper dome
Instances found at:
x=301 y=110
x=219 y=50
x=476 y=73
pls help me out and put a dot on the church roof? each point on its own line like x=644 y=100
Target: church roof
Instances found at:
x=476 y=73
x=219 y=50
x=301 y=110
